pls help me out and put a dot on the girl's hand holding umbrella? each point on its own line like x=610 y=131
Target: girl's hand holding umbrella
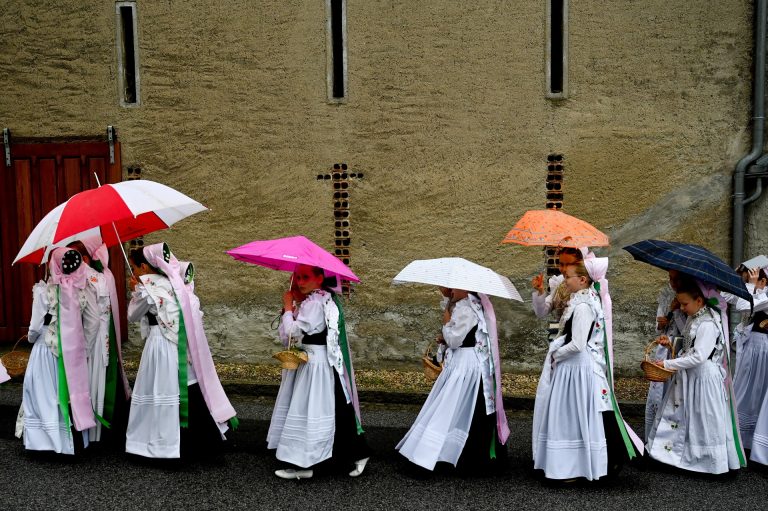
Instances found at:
x=538 y=283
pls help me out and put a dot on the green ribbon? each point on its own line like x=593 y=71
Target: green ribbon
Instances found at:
x=493 y=442
x=344 y=345
x=234 y=423
x=183 y=391
x=110 y=385
x=619 y=419
x=609 y=376
x=97 y=265
x=729 y=389
x=63 y=387
x=739 y=450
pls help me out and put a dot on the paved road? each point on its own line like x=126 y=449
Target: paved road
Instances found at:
x=243 y=478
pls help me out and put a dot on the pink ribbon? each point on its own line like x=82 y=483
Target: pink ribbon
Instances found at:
x=3 y=373
x=101 y=254
x=215 y=398
x=597 y=267
x=73 y=339
x=502 y=425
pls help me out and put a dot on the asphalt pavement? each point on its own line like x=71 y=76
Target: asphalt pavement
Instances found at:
x=242 y=477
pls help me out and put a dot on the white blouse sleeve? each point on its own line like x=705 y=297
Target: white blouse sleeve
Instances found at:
x=140 y=305
x=39 y=310
x=542 y=304
x=463 y=319
x=738 y=304
x=706 y=340
x=583 y=317
x=309 y=320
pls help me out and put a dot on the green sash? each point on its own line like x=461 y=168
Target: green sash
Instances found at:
x=344 y=345
x=609 y=376
x=63 y=387
x=110 y=385
x=183 y=391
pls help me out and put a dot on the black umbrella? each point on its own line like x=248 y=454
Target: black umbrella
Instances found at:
x=693 y=260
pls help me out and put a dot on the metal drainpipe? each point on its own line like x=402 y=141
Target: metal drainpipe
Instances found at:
x=758 y=131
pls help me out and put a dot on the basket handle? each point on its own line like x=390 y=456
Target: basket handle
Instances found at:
x=429 y=346
x=17 y=342
x=655 y=342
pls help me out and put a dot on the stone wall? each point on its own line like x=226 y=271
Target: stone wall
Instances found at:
x=447 y=118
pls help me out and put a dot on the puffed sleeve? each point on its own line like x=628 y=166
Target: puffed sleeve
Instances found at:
x=39 y=310
x=309 y=320
x=706 y=340
x=583 y=317
x=463 y=319
x=738 y=304
x=139 y=305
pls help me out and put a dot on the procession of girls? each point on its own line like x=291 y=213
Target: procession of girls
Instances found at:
x=75 y=389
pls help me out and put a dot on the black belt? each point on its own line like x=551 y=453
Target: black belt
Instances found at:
x=47 y=319
x=760 y=322
x=318 y=339
x=469 y=340
x=152 y=319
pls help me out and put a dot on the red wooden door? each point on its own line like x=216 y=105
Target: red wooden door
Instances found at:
x=41 y=176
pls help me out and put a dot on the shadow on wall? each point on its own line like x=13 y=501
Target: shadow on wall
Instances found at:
x=671 y=211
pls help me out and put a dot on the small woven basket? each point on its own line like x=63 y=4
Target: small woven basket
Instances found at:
x=291 y=359
x=15 y=362
x=431 y=370
x=652 y=371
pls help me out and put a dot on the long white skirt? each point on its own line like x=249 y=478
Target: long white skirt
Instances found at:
x=655 y=397
x=98 y=358
x=570 y=440
x=693 y=429
x=750 y=385
x=44 y=426
x=304 y=418
x=153 y=423
x=442 y=426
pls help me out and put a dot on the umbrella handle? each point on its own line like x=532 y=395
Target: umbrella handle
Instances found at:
x=119 y=241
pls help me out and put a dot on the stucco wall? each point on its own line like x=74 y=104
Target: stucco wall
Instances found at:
x=447 y=118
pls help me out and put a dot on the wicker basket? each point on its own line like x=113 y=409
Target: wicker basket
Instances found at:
x=15 y=362
x=651 y=370
x=291 y=359
x=431 y=370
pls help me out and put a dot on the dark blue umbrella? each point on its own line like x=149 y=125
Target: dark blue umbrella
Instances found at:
x=693 y=260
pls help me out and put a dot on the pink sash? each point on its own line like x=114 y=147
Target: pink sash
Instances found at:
x=70 y=325
x=502 y=425
x=102 y=254
x=218 y=404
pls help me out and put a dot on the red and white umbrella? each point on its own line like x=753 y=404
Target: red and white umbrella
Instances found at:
x=114 y=212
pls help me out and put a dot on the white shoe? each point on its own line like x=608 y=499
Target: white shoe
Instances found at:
x=289 y=473
x=359 y=467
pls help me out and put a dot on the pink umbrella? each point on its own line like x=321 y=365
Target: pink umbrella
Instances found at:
x=285 y=254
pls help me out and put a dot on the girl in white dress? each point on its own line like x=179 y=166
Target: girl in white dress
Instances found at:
x=54 y=397
x=316 y=415
x=694 y=429
x=462 y=421
x=169 y=394
x=750 y=383
x=556 y=300
x=670 y=321
x=578 y=430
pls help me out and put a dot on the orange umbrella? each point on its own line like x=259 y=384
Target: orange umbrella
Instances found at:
x=550 y=227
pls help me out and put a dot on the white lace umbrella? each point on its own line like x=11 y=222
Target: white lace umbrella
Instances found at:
x=458 y=273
